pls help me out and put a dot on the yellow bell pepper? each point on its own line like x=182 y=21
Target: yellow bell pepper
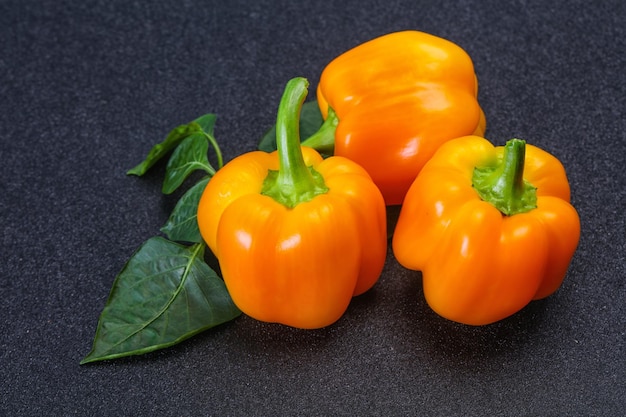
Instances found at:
x=296 y=236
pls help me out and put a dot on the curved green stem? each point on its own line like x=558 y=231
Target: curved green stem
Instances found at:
x=216 y=148
x=208 y=168
x=503 y=185
x=294 y=182
x=324 y=139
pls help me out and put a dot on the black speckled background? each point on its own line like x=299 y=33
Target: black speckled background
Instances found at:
x=86 y=88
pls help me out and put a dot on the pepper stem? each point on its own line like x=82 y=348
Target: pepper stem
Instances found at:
x=324 y=139
x=294 y=182
x=503 y=185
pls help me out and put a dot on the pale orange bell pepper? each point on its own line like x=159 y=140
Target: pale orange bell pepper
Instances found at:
x=389 y=103
x=491 y=228
x=296 y=235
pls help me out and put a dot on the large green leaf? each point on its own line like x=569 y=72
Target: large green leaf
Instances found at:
x=166 y=293
x=182 y=225
x=310 y=121
x=188 y=157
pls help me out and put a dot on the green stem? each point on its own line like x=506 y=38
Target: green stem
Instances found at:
x=216 y=148
x=324 y=139
x=503 y=185
x=294 y=183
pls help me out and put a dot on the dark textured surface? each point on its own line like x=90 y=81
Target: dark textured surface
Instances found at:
x=87 y=87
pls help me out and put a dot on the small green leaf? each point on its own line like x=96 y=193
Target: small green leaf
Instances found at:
x=206 y=123
x=189 y=156
x=159 y=150
x=310 y=121
x=165 y=294
x=182 y=226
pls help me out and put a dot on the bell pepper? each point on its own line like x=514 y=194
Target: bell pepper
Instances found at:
x=491 y=228
x=391 y=102
x=296 y=235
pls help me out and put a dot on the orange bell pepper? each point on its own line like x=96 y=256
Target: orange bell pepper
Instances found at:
x=296 y=235
x=491 y=228
x=391 y=102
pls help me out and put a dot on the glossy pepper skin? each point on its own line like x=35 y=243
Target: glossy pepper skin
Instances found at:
x=396 y=99
x=291 y=253
x=478 y=264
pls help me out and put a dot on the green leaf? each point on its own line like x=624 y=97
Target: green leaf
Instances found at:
x=189 y=156
x=182 y=226
x=159 y=150
x=207 y=124
x=165 y=294
x=310 y=121
x=204 y=123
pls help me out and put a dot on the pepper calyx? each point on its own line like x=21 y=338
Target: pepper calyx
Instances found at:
x=503 y=184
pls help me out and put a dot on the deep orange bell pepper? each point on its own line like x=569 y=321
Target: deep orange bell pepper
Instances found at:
x=491 y=228
x=296 y=235
x=391 y=102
